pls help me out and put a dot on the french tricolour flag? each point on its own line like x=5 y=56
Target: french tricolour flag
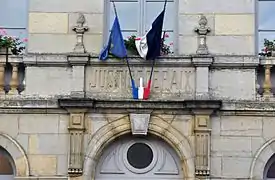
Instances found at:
x=148 y=48
x=149 y=45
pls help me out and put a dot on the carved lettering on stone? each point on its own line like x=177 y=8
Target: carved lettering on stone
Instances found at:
x=139 y=123
x=166 y=81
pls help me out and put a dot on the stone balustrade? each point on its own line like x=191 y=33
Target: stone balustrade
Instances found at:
x=266 y=79
x=11 y=75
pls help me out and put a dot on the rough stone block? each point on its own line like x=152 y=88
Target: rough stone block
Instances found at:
x=228 y=146
x=63 y=124
x=257 y=143
x=188 y=22
x=85 y=6
x=188 y=45
x=243 y=89
x=20 y=166
x=268 y=127
x=236 y=167
x=62 y=165
x=93 y=43
x=48 y=22
x=93 y=21
x=43 y=165
x=33 y=144
x=231 y=45
x=53 y=144
x=23 y=140
x=235 y=24
x=183 y=124
x=216 y=166
x=9 y=124
x=215 y=125
x=216 y=6
x=51 y=43
x=96 y=125
x=52 y=81
x=36 y=123
x=241 y=126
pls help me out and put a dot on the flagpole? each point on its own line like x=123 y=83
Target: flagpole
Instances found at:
x=134 y=89
x=148 y=88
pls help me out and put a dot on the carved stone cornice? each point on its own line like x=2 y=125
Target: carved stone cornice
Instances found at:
x=136 y=104
x=78 y=59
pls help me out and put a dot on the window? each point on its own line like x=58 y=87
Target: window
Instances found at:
x=137 y=16
x=266 y=21
x=14 y=15
x=6 y=165
x=269 y=170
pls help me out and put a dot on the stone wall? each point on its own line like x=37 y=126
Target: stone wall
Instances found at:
x=42 y=137
x=51 y=23
x=232 y=25
x=242 y=139
x=236 y=141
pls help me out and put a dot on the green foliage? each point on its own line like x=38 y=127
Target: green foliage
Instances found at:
x=13 y=43
x=131 y=46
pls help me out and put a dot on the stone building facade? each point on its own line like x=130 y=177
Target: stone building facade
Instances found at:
x=67 y=115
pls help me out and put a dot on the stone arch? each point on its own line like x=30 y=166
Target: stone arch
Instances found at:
x=17 y=153
x=260 y=159
x=157 y=126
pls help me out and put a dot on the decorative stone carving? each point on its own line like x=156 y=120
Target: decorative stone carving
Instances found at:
x=202 y=142
x=202 y=31
x=80 y=29
x=139 y=123
x=170 y=82
x=76 y=156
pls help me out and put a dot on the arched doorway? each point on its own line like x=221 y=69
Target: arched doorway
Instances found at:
x=138 y=158
x=6 y=165
x=269 y=170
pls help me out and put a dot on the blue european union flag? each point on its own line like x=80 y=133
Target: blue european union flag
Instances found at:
x=115 y=45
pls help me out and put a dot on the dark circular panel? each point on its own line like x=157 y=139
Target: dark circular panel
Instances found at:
x=140 y=155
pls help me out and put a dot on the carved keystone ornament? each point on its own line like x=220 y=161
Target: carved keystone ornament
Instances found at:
x=139 y=123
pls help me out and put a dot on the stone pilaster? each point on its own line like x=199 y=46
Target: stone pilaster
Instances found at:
x=202 y=131
x=78 y=63
x=76 y=129
x=202 y=75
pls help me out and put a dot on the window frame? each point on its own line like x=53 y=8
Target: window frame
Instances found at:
x=25 y=29
x=141 y=30
x=258 y=30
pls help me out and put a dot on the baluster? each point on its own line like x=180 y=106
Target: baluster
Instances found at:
x=2 y=78
x=267 y=82
x=14 y=79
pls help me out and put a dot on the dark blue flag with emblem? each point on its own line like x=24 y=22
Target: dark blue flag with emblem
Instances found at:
x=115 y=46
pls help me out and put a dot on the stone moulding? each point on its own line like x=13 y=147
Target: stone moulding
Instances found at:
x=132 y=104
x=65 y=59
x=45 y=105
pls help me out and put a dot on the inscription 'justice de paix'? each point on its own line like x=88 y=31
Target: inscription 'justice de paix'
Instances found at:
x=164 y=79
